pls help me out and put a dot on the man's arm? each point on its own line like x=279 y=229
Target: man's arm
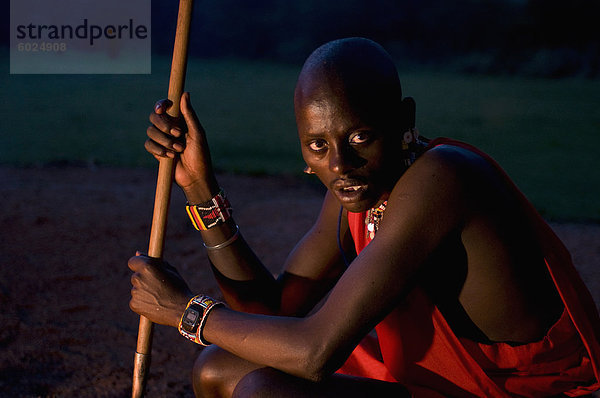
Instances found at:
x=316 y=263
x=426 y=206
x=310 y=271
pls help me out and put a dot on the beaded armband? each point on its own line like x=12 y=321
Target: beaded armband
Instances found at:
x=194 y=317
x=210 y=214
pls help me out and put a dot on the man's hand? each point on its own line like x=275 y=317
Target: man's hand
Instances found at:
x=158 y=291
x=183 y=136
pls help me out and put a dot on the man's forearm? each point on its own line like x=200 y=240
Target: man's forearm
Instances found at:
x=247 y=285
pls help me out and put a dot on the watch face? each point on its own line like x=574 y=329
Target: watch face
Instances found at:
x=190 y=319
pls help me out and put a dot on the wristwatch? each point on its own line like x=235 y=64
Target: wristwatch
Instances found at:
x=192 y=316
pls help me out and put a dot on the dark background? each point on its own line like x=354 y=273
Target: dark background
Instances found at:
x=69 y=225
x=543 y=38
x=549 y=38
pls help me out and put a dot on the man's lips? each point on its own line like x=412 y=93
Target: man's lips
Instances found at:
x=347 y=183
x=349 y=189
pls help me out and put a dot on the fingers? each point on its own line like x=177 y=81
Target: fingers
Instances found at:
x=160 y=144
x=166 y=124
x=166 y=134
x=158 y=292
x=195 y=129
x=162 y=106
x=172 y=126
x=144 y=269
x=141 y=262
x=137 y=263
x=163 y=121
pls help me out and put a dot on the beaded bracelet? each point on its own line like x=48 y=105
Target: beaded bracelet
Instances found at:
x=210 y=305
x=210 y=214
x=204 y=304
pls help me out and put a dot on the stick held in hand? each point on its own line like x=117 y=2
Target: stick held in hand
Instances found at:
x=163 y=191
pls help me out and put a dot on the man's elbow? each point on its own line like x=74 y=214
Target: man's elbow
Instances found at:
x=318 y=364
x=314 y=374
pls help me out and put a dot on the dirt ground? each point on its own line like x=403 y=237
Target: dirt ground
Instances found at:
x=66 y=234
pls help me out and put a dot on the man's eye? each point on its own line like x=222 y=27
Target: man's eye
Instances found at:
x=317 y=145
x=359 y=137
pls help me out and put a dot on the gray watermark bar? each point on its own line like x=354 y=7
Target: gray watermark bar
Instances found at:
x=80 y=36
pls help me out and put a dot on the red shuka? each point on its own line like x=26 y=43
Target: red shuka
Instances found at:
x=418 y=348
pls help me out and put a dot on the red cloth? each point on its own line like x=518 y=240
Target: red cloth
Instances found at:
x=419 y=349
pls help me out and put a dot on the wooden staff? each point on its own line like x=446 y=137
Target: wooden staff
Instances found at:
x=163 y=192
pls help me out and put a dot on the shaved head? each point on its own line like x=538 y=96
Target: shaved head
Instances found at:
x=357 y=71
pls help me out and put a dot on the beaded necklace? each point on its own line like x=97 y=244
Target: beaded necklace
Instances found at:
x=374 y=217
x=412 y=147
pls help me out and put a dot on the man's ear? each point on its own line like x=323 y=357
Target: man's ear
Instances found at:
x=409 y=111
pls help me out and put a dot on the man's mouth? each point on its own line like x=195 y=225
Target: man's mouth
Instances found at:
x=350 y=190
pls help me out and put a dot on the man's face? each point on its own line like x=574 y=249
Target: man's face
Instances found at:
x=349 y=155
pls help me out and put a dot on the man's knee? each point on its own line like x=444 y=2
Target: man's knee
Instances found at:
x=217 y=372
x=258 y=383
x=208 y=373
x=268 y=383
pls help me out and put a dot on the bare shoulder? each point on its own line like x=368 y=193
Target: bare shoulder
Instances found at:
x=506 y=291
x=461 y=165
x=465 y=182
x=437 y=193
x=482 y=192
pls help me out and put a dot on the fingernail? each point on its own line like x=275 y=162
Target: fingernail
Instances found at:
x=178 y=147
x=176 y=132
x=170 y=154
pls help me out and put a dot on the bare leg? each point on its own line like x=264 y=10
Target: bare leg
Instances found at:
x=217 y=372
x=268 y=382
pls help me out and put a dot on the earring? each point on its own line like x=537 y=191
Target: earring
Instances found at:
x=308 y=170
x=412 y=146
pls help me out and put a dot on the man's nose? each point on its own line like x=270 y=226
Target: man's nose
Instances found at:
x=341 y=160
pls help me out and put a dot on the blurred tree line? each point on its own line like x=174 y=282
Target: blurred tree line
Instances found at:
x=551 y=38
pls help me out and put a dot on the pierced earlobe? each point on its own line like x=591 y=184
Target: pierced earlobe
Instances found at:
x=412 y=146
x=308 y=170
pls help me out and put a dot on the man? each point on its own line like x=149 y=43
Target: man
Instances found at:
x=429 y=243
